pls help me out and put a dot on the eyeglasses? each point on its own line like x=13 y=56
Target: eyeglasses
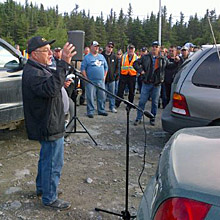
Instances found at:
x=43 y=51
x=110 y=47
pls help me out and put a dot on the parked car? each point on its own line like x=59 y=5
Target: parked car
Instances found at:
x=195 y=92
x=186 y=185
x=11 y=66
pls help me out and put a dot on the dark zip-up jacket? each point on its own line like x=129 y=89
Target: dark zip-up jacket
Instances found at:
x=145 y=63
x=171 y=71
x=42 y=100
x=112 y=62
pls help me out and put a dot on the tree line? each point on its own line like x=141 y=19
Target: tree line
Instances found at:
x=18 y=23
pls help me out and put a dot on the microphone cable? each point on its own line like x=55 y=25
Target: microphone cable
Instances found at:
x=144 y=159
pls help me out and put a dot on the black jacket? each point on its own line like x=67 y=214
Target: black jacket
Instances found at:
x=112 y=62
x=145 y=63
x=171 y=71
x=42 y=100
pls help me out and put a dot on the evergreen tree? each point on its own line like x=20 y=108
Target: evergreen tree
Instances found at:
x=121 y=25
x=20 y=22
x=100 y=31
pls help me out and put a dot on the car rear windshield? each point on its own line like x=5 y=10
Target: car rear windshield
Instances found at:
x=208 y=73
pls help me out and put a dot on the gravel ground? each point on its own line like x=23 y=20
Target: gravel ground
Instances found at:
x=93 y=176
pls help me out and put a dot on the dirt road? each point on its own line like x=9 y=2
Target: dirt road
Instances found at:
x=93 y=176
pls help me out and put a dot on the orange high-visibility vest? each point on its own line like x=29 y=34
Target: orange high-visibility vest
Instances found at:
x=25 y=54
x=126 y=67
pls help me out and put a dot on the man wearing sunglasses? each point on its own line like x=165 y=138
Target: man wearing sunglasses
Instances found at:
x=44 y=114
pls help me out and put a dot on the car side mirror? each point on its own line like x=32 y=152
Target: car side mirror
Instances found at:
x=13 y=66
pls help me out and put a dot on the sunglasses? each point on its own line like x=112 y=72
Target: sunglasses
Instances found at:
x=110 y=47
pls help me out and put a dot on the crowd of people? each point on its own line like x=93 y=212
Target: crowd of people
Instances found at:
x=46 y=90
x=149 y=73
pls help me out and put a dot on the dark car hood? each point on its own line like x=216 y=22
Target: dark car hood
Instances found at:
x=189 y=166
x=195 y=157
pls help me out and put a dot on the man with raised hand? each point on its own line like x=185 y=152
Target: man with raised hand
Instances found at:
x=44 y=114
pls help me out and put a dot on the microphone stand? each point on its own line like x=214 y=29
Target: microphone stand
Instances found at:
x=124 y=214
x=75 y=118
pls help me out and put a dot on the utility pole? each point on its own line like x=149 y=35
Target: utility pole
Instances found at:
x=160 y=17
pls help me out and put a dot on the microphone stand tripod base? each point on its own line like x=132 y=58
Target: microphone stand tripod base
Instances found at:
x=124 y=214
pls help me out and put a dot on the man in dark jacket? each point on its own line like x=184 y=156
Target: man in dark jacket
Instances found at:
x=112 y=74
x=152 y=67
x=44 y=114
x=170 y=72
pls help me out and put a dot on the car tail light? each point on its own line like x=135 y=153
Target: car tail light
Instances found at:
x=182 y=209
x=180 y=105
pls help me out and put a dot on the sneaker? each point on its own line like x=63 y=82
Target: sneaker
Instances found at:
x=152 y=121
x=60 y=204
x=90 y=116
x=103 y=113
x=113 y=110
x=39 y=194
x=137 y=122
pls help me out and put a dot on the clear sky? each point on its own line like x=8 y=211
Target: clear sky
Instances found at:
x=141 y=8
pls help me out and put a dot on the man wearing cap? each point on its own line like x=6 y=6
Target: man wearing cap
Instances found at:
x=57 y=53
x=44 y=114
x=152 y=67
x=184 y=54
x=190 y=47
x=112 y=73
x=127 y=75
x=94 y=67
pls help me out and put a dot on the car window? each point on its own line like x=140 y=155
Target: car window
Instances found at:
x=208 y=73
x=5 y=57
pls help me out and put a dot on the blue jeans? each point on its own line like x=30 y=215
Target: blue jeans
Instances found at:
x=111 y=88
x=91 y=91
x=148 y=90
x=116 y=87
x=49 y=169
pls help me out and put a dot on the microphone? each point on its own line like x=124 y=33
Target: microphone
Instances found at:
x=148 y=114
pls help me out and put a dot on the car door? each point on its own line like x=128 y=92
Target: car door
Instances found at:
x=11 y=107
x=202 y=88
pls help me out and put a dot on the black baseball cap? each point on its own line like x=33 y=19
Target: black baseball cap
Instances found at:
x=143 y=49
x=155 y=43
x=36 y=42
x=111 y=43
x=131 y=46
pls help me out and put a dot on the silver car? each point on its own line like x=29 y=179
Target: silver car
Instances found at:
x=195 y=92
x=187 y=181
x=11 y=66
